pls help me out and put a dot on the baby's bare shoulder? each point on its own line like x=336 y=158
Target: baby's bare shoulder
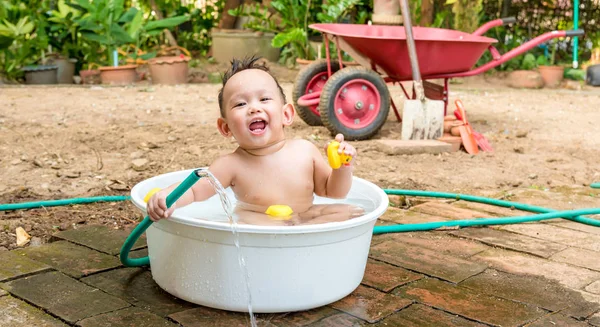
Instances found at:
x=301 y=144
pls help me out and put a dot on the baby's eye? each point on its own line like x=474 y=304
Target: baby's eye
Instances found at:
x=239 y=104
x=265 y=99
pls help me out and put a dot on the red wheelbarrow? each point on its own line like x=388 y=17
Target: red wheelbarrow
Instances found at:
x=355 y=100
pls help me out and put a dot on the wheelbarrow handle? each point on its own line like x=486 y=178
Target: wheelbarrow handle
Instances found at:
x=508 y=20
x=494 y=23
x=572 y=33
x=499 y=59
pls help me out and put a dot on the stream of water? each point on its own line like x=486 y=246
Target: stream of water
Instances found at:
x=228 y=208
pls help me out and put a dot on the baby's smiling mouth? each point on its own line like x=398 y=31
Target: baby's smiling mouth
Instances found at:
x=258 y=125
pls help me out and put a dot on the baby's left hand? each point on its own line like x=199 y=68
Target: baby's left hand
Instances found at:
x=344 y=147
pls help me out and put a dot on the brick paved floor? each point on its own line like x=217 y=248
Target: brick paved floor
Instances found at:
x=536 y=274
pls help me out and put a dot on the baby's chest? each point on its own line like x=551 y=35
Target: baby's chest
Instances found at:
x=274 y=180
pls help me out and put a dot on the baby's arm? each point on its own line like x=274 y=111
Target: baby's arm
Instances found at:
x=202 y=190
x=333 y=183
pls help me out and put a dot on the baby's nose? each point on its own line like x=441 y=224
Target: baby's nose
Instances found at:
x=254 y=109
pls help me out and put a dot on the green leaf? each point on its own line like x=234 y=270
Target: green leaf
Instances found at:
x=135 y=26
x=129 y=15
x=63 y=9
x=116 y=7
x=293 y=35
x=120 y=35
x=148 y=55
x=96 y=38
x=27 y=28
x=167 y=22
x=154 y=32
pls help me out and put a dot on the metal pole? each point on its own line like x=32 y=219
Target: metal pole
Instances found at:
x=575 y=27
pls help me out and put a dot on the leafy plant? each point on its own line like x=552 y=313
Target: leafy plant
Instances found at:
x=139 y=31
x=529 y=62
x=542 y=60
x=292 y=32
x=107 y=23
x=64 y=29
x=18 y=47
x=103 y=23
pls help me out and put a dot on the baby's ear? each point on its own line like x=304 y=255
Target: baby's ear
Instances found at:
x=289 y=112
x=223 y=127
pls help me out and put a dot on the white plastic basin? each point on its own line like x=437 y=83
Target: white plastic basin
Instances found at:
x=291 y=268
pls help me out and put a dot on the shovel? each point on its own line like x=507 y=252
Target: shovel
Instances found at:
x=422 y=119
x=466 y=133
x=482 y=142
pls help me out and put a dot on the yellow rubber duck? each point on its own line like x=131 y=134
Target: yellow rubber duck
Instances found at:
x=279 y=212
x=336 y=160
x=151 y=193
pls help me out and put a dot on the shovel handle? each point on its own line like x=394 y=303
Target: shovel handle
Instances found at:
x=461 y=111
x=412 y=52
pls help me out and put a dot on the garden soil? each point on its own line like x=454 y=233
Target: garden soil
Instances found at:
x=60 y=142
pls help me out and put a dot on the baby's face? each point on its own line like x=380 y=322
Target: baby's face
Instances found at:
x=254 y=110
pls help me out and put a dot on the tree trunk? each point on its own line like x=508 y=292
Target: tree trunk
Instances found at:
x=227 y=21
x=426 y=13
x=170 y=37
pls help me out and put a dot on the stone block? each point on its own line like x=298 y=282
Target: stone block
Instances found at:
x=63 y=296
x=72 y=259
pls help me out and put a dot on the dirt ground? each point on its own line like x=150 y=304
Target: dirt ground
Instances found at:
x=76 y=141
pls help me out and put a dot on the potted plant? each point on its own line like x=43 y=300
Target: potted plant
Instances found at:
x=104 y=22
x=19 y=53
x=252 y=33
x=552 y=74
x=526 y=76
x=63 y=30
x=173 y=69
x=164 y=69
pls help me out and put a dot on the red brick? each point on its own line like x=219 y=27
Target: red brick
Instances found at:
x=558 y=320
x=303 y=318
x=204 y=316
x=340 y=320
x=490 y=210
x=369 y=304
x=520 y=263
x=418 y=315
x=511 y=241
x=579 y=257
x=447 y=210
x=470 y=304
x=534 y=290
x=428 y=262
x=386 y=277
x=440 y=242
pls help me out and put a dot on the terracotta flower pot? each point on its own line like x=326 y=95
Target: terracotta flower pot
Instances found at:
x=119 y=75
x=552 y=75
x=90 y=76
x=169 y=70
x=528 y=79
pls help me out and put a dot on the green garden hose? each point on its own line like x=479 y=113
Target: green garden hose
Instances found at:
x=54 y=203
x=141 y=227
x=544 y=213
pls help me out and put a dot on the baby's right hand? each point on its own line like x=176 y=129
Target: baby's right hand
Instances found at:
x=157 y=206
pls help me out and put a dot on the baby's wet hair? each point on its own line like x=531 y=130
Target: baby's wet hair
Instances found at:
x=238 y=65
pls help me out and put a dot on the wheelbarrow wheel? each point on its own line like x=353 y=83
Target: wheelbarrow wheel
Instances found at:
x=311 y=79
x=355 y=101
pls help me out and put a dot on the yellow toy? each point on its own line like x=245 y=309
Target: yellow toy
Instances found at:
x=150 y=194
x=279 y=212
x=336 y=160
